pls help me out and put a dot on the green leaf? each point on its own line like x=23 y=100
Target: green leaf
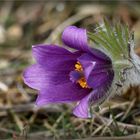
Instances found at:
x=114 y=40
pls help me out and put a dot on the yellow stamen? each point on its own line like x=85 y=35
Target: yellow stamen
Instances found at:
x=82 y=81
x=78 y=67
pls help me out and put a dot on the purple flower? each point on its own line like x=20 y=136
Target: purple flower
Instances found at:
x=63 y=76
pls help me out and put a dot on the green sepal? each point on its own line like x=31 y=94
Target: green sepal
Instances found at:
x=113 y=40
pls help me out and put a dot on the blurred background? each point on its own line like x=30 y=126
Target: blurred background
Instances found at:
x=24 y=23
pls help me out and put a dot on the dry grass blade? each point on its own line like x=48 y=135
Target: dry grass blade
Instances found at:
x=58 y=120
x=109 y=123
x=129 y=109
x=130 y=127
x=97 y=130
x=17 y=120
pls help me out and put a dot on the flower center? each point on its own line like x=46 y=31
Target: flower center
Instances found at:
x=82 y=81
x=78 y=67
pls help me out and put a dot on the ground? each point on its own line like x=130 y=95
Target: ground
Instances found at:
x=24 y=23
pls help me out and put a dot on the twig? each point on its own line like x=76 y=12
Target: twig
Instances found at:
x=31 y=107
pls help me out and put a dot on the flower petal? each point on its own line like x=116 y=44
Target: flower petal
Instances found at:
x=97 y=80
x=82 y=109
x=99 y=95
x=53 y=57
x=93 y=64
x=37 y=77
x=75 y=38
x=94 y=98
x=67 y=92
x=101 y=74
x=99 y=55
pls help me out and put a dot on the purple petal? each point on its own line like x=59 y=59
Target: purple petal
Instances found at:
x=53 y=57
x=100 y=79
x=95 y=97
x=67 y=92
x=99 y=55
x=99 y=76
x=37 y=77
x=88 y=63
x=93 y=64
x=99 y=95
x=75 y=38
x=82 y=109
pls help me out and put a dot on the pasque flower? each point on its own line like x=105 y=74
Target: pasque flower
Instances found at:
x=82 y=75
